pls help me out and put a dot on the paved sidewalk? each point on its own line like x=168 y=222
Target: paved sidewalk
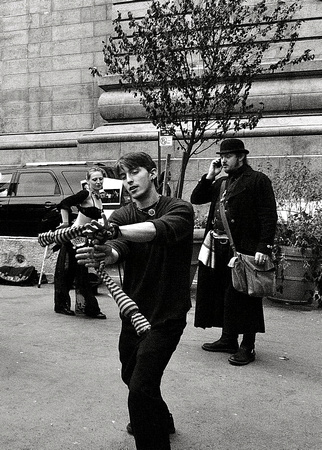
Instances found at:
x=61 y=386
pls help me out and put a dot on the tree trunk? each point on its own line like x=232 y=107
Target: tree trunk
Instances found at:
x=184 y=163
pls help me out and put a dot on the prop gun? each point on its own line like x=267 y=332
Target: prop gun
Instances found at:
x=77 y=235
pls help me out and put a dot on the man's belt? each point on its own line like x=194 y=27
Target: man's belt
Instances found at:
x=219 y=232
x=220 y=236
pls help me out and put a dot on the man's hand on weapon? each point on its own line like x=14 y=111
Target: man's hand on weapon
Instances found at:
x=94 y=255
x=98 y=233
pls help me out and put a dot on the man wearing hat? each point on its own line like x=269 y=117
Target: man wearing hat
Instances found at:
x=250 y=209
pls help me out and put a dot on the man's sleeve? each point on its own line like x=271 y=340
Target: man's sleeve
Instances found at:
x=266 y=207
x=202 y=193
x=176 y=224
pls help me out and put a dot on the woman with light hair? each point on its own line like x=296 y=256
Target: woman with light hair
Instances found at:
x=89 y=204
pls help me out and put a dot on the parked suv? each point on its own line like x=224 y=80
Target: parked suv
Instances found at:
x=29 y=195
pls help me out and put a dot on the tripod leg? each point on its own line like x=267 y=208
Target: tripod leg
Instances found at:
x=42 y=266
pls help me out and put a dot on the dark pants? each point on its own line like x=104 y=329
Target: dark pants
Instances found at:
x=66 y=273
x=144 y=360
x=220 y=305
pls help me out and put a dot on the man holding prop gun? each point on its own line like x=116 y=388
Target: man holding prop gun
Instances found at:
x=154 y=240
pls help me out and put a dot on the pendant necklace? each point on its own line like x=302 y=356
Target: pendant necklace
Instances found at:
x=150 y=210
x=95 y=194
x=98 y=197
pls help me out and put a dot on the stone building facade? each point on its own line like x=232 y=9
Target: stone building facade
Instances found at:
x=52 y=109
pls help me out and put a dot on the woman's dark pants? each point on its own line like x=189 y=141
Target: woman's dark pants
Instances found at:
x=66 y=273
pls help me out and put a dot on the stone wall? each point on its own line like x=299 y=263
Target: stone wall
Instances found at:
x=46 y=50
x=50 y=103
x=22 y=252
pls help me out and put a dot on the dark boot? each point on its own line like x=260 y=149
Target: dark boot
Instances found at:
x=246 y=354
x=242 y=357
x=66 y=311
x=228 y=343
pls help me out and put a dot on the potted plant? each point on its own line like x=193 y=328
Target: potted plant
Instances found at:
x=298 y=242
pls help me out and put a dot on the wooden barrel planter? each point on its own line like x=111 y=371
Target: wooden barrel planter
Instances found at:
x=291 y=285
x=198 y=235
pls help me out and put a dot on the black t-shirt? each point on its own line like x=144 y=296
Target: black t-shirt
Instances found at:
x=157 y=273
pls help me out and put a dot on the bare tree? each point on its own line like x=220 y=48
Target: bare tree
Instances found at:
x=193 y=63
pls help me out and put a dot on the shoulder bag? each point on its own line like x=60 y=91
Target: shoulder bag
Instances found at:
x=247 y=276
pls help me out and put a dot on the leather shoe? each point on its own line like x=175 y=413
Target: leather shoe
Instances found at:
x=171 y=427
x=100 y=315
x=65 y=311
x=219 y=346
x=242 y=357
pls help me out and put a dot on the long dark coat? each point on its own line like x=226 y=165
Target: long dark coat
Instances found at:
x=251 y=213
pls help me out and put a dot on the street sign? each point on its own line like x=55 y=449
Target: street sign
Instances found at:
x=165 y=140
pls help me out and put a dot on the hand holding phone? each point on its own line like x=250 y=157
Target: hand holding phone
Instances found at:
x=214 y=169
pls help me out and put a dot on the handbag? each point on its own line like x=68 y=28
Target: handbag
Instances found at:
x=251 y=278
x=248 y=277
x=19 y=276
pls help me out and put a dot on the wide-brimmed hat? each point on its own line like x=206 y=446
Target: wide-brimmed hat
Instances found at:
x=232 y=146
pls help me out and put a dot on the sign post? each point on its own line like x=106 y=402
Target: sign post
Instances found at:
x=165 y=140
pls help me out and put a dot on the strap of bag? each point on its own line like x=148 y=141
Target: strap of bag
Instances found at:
x=223 y=215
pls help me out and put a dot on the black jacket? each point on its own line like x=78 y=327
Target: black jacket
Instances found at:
x=250 y=209
x=251 y=213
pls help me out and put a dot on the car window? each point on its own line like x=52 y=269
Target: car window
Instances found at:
x=74 y=179
x=31 y=184
x=5 y=179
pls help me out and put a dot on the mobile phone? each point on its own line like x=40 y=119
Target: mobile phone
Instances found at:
x=218 y=163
